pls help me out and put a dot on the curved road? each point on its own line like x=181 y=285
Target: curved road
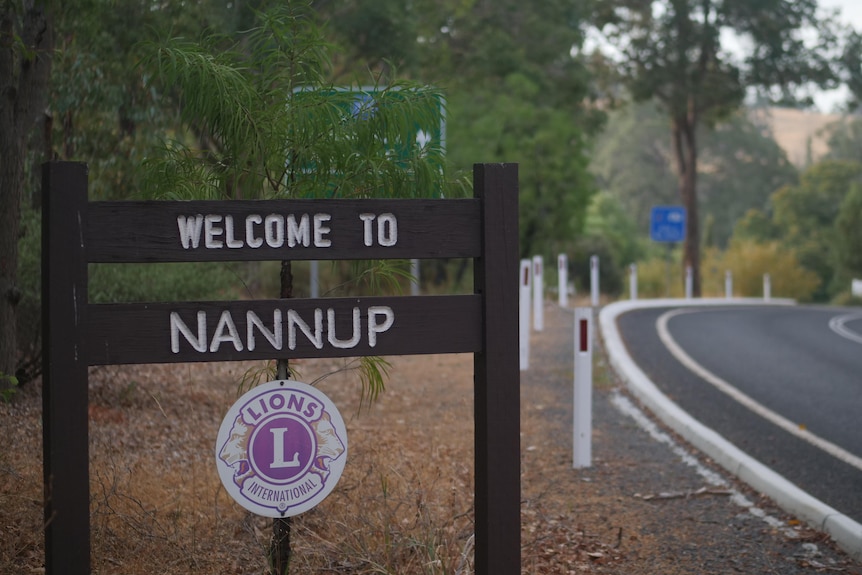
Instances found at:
x=800 y=366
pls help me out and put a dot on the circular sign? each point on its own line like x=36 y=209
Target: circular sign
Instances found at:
x=281 y=448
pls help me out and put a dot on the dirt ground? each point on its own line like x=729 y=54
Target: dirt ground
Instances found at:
x=646 y=505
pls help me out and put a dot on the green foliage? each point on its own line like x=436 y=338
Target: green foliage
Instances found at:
x=261 y=121
x=164 y=282
x=740 y=166
x=848 y=227
x=658 y=277
x=8 y=387
x=516 y=93
x=633 y=162
x=671 y=51
x=513 y=126
x=611 y=234
x=756 y=226
x=804 y=217
x=847 y=299
x=748 y=261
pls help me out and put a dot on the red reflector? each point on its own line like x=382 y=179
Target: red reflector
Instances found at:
x=584 y=339
x=526 y=276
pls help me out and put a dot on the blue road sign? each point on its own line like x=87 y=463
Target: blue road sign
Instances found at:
x=667 y=224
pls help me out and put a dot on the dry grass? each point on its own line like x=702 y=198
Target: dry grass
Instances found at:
x=403 y=505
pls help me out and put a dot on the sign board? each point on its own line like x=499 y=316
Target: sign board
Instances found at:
x=281 y=448
x=667 y=224
x=77 y=334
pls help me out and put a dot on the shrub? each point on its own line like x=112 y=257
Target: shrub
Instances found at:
x=109 y=283
x=748 y=261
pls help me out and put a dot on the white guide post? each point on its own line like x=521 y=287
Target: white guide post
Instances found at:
x=563 y=280
x=538 y=293
x=594 y=281
x=414 y=273
x=767 y=287
x=633 y=281
x=728 y=284
x=524 y=318
x=582 y=428
x=689 y=282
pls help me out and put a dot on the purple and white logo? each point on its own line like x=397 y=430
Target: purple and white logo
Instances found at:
x=281 y=448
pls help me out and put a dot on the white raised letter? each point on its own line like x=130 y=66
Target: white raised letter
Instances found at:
x=298 y=233
x=190 y=230
x=366 y=228
x=274 y=337
x=274 y=230
x=320 y=230
x=230 y=241
x=294 y=320
x=343 y=343
x=211 y=231
x=178 y=326
x=225 y=323
x=387 y=230
x=250 y=239
x=373 y=327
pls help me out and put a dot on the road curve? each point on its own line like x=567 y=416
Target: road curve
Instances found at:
x=710 y=428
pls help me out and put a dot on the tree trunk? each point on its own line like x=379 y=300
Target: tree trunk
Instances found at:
x=24 y=77
x=279 y=547
x=685 y=150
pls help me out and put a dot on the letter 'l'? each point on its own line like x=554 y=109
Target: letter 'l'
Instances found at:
x=278 y=461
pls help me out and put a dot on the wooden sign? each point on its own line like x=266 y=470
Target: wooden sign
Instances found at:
x=77 y=334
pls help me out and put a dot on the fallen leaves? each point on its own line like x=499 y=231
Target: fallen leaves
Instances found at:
x=702 y=492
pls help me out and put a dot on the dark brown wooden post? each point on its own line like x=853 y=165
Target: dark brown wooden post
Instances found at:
x=64 y=369
x=497 y=375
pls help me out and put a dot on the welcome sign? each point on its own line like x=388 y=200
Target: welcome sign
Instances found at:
x=280 y=448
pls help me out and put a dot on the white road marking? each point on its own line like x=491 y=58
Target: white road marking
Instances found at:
x=836 y=324
x=746 y=400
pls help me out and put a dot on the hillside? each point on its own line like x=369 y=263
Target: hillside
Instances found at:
x=799 y=132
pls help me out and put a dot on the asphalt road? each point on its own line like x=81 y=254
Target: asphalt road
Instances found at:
x=802 y=363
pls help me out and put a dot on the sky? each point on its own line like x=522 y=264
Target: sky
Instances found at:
x=851 y=13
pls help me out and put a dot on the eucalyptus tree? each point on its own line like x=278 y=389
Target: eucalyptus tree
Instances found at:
x=26 y=44
x=740 y=166
x=680 y=53
x=517 y=88
x=261 y=120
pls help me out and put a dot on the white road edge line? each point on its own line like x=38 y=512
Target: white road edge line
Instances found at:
x=744 y=399
x=836 y=324
x=846 y=532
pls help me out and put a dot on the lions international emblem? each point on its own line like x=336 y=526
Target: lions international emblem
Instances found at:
x=281 y=448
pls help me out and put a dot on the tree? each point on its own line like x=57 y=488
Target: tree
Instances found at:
x=673 y=51
x=740 y=166
x=848 y=227
x=26 y=43
x=262 y=120
x=92 y=107
x=844 y=139
x=803 y=218
x=516 y=85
